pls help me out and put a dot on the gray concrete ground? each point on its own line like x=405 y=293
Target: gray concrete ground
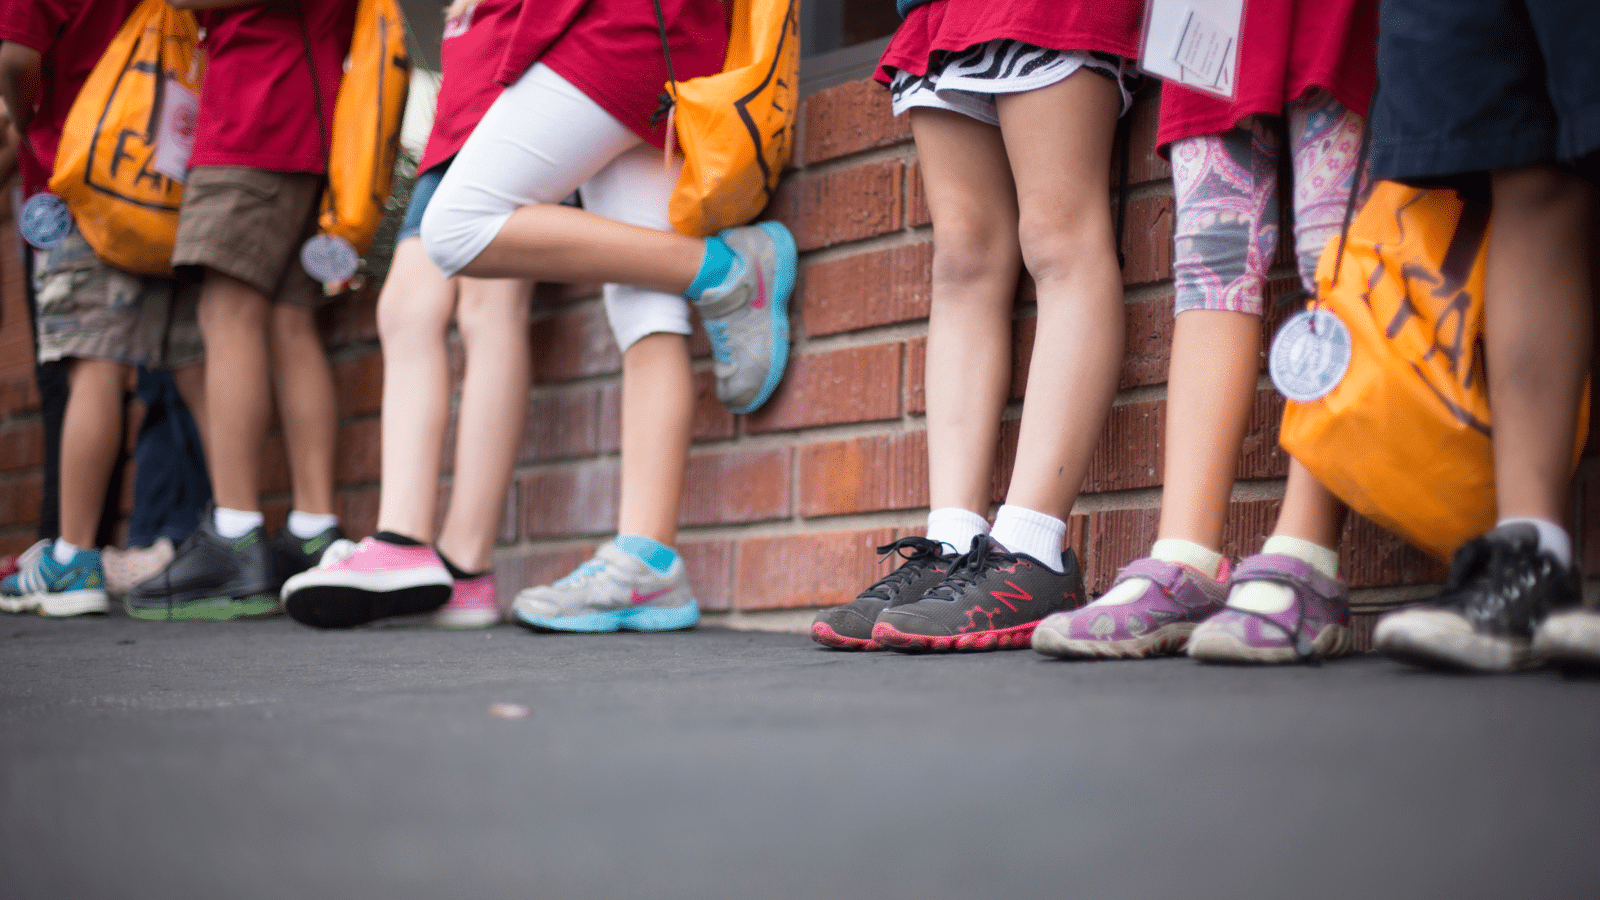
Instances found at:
x=265 y=760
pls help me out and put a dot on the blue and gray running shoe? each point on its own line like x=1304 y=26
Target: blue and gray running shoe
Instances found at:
x=747 y=316
x=49 y=588
x=614 y=591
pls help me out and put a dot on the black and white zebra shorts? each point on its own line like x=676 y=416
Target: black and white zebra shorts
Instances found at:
x=967 y=82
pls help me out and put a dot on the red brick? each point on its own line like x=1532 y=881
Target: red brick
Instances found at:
x=1145 y=164
x=709 y=565
x=571 y=500
x=274 y=465
x=610 y=440
x=560 y=425
x=1148 y=342
x=736 y=486
x=1259 y=455
x=14 y=541
x=358 y=511
x=864 y=474
x=510 y=516
x=19 y=396
x=917 y=376
x=1147 y=240
x=1373 y=557
x=1005 y=459
x=917 y=214
x=808 y=570
x=523 y=567
x=856 y=384
x=359 y=457
x=1247 y=527
x=1024 y=332
x=1116 y=538
x=866 y=290
x=21 y=445
x=359 y=382
x=574 y=344
x=848 y=205
x=352 y=319
x=1129 y=452
x=848 y=119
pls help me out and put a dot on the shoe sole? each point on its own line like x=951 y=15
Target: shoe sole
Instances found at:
x=1567 y=645
x=88 y=602
x=465 y=618
x=824 y=634
x=787 y=258
x=1164 y=641
x=210 y=609
x=343 y=606
x=1018 y=637
x=1441 y=640
x=633 y=618
x=1218 y=646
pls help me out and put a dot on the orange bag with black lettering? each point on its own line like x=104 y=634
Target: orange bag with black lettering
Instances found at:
x=1404 y=437
x=737 y=127
x=125 y=146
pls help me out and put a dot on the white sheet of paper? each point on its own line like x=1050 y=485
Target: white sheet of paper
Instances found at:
x=180 y=108
x=1193 y=42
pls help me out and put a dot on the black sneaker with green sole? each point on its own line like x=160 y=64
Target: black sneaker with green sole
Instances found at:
x=212 y=578
x=292 y=555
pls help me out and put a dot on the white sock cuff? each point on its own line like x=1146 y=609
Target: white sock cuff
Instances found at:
x=1323 y=559
x=63 y=550
x=1553 y=539
x=235 y=523
x=1023 y=530
x=955 y=527
x=304 y=525
x=1188 y=553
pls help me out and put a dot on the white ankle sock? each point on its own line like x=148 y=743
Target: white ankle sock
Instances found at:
x=955 y=528
x=1266 y=597
x=1553 y=539
x=1172 y=550
x=1023 y=530
x=235 y=523
x=63 y=551
x=304 y=525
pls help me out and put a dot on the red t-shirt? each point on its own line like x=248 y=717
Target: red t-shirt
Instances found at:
x=1108 y=26
x=72 y=35
x=1288 y=48
x=470 y=58
x=258 y=107
x=611 y=50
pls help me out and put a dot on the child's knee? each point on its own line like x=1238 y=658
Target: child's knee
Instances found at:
x=1056 y=245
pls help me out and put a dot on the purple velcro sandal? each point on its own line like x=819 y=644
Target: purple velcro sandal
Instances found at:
x=1315 y=627
x=1157 y=623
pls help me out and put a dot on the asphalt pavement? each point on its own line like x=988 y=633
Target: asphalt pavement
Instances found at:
x=267 y=760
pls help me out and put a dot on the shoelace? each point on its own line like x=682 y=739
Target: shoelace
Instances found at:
x=582 y=574
x=969 y=568
x=339 y=551
x=924 y=552
x=1488 y=584
x=717 y=331
x=30 y=574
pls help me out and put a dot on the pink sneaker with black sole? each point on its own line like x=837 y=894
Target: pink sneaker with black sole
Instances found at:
x=474 y=603
x=360 y=583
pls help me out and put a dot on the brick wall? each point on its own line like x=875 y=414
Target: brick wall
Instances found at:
x=783 y=507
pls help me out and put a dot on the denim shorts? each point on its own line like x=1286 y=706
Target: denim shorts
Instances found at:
x=421 y=193
x=1466 y=86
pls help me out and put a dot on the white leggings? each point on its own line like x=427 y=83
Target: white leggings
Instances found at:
x=541 y=140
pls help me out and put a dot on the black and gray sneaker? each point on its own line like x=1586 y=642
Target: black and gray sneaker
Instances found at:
x=1501 y=587
x=211 y=578
x=849 y=627
x=991 y=600
x=292 y=555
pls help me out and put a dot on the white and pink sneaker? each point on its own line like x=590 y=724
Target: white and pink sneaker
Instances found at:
x=474 y=603
x=360 y=583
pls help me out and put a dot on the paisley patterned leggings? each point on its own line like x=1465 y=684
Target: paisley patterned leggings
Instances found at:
x=1226 y=187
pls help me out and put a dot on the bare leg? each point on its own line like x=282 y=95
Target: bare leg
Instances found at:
x=91 y=433
x=307 y=405
x=233 y=319
x=493 y=319
x=1211 y=385
x=657 y=412
x=976 y=260
x=413 y=324
x=1310 y=512
x=1058 y=139
x=549 y=242
x=1537 y=333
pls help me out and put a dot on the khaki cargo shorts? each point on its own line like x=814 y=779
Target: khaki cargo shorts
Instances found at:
x=249 y=224
x=89 y=309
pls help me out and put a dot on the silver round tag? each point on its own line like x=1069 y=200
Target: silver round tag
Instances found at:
x=1310 y=355
x=329 y=258
x=45 y=221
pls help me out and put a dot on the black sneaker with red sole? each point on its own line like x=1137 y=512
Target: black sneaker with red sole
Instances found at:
x=990 y=600
x=849 y=627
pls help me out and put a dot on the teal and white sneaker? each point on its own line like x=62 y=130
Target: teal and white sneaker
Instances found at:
x=747 y=315
x=49 y=588
x=614 y=591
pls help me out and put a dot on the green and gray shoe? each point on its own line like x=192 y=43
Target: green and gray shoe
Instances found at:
x=212 y=578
